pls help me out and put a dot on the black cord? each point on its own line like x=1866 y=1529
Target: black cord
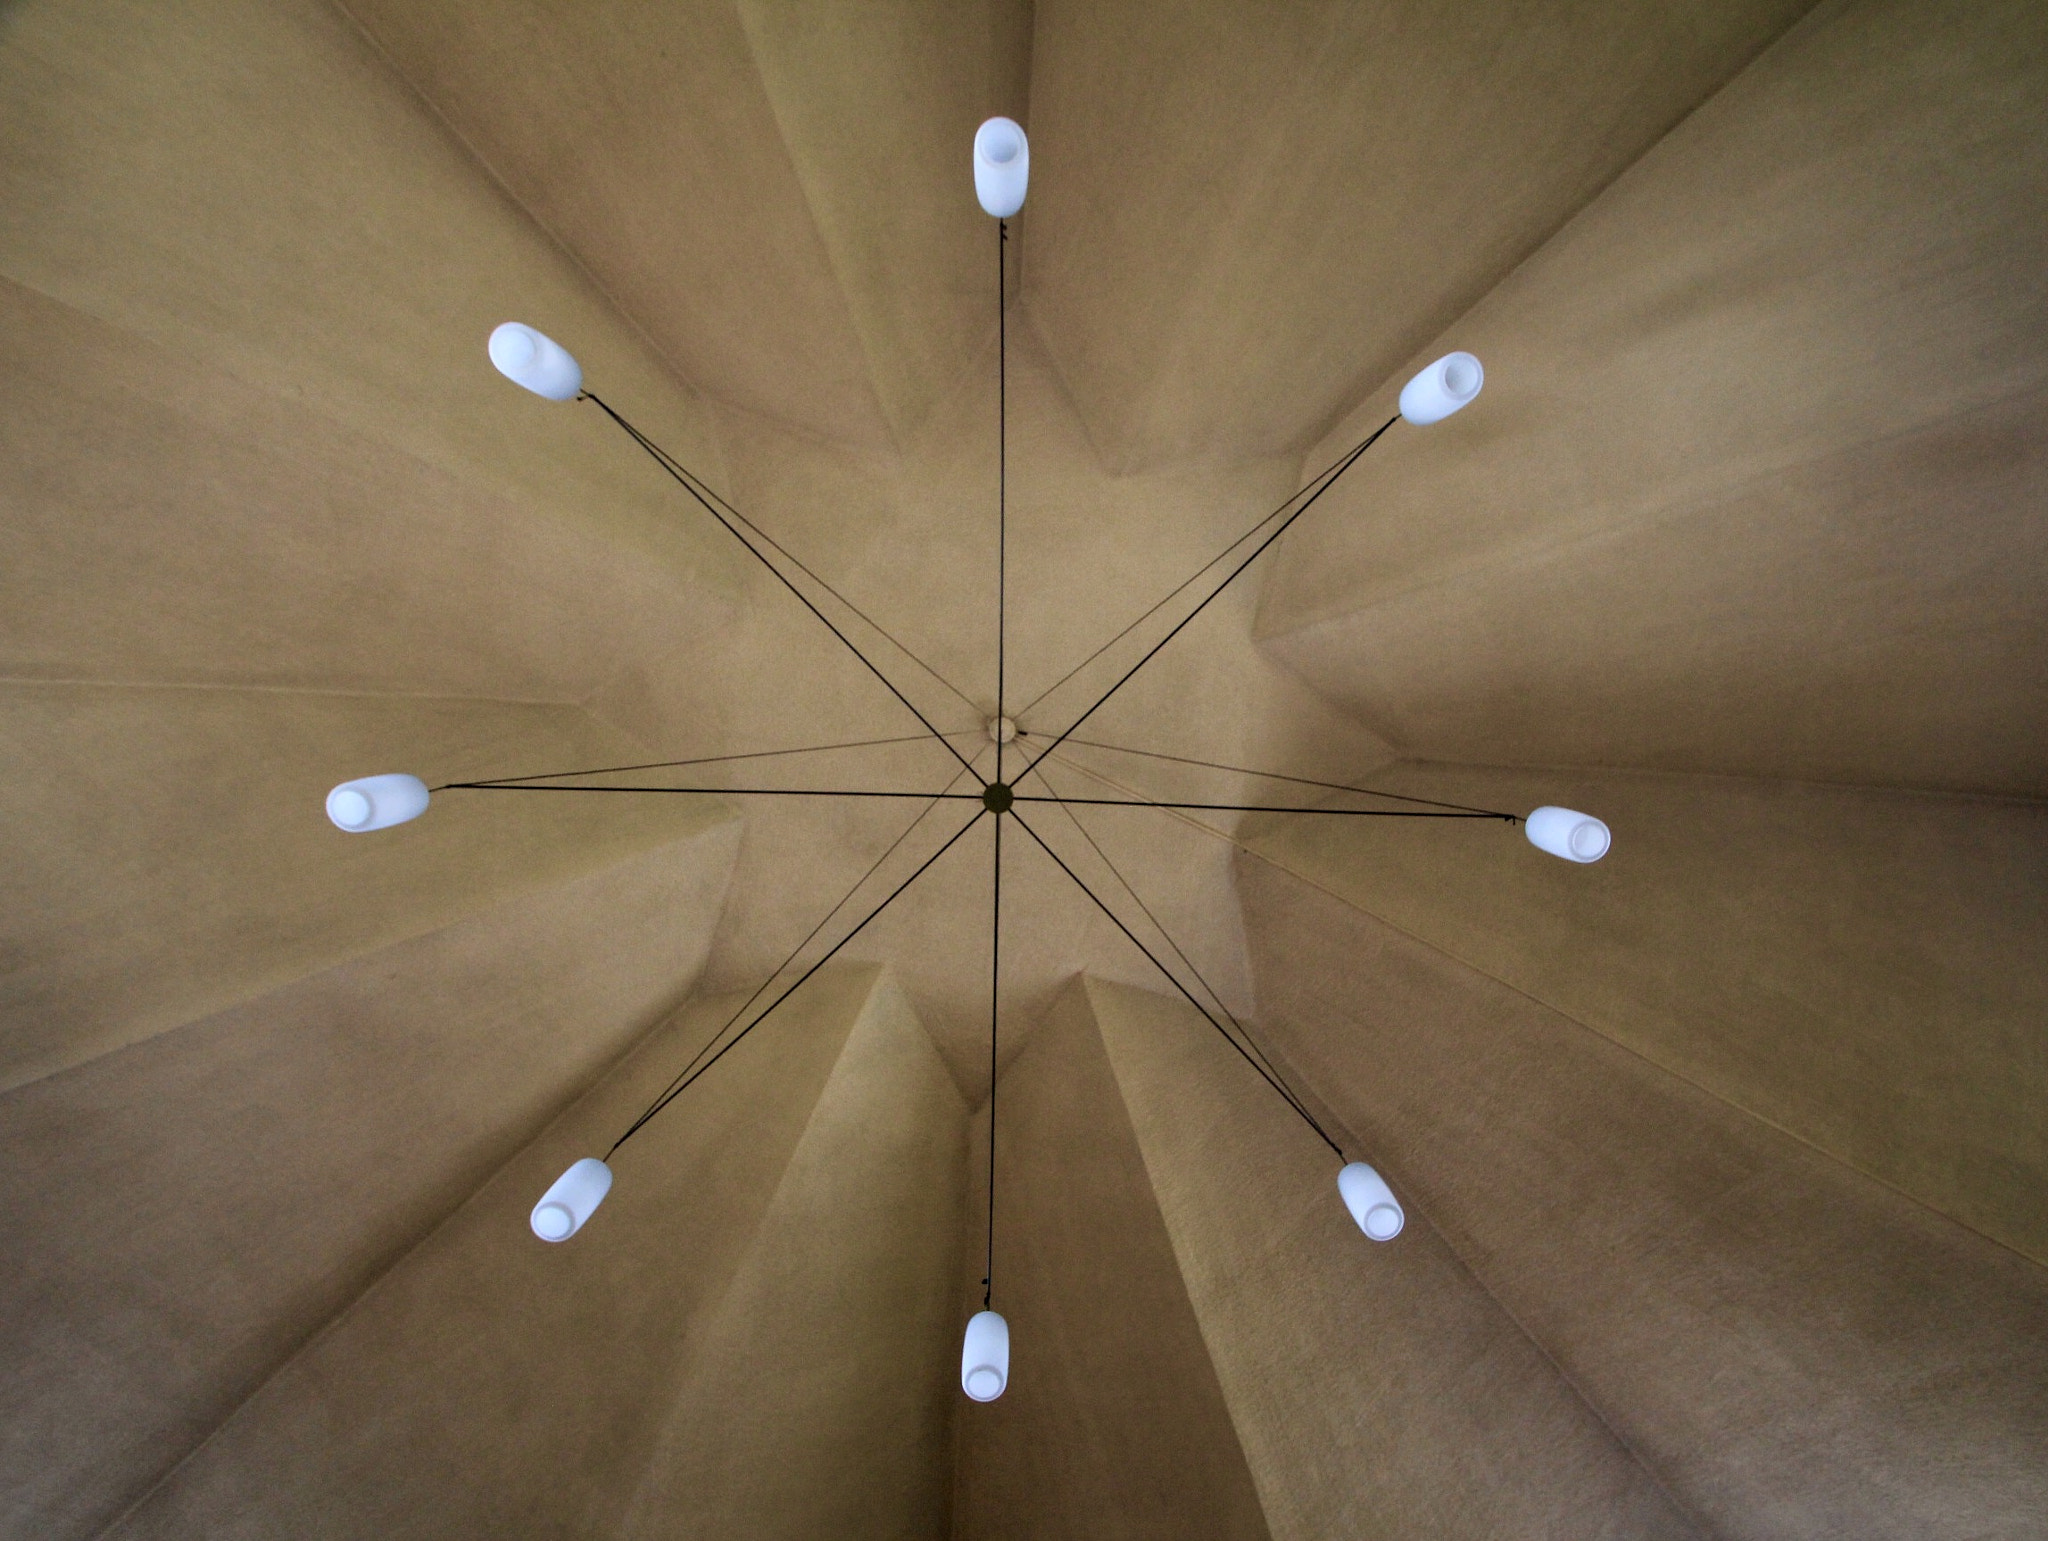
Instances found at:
x=688 y=483
x=710 y=759
x=1335 y=813
x=1188 y=581
x=502 y=786
x=823 y=921
x=1174 y=979
x=1002 y=474
x=676 y=1091
x=1180 y=952
x=995 y=971
x=1305 y=781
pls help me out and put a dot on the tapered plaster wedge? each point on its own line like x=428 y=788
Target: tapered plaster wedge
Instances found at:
x=1199 y=281
x=817 y=1399
x=1860 y=967
x=185 y=1214
x=1113 y=1425
x=1796 y=1349
x=492 y=1384
x=1755 y=483
x=1378 y=1390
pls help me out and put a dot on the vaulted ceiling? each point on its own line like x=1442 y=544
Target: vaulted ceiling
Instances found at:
x=1723 y=1158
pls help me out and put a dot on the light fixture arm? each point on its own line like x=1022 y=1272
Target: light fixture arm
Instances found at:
x=709 y=759
x=995 y=1006
x=1270 y=1078
x=689 y=484
x=1330 y=481
x=526 y=786
x=686 y=1082
x=1262 y=775
x=1145 y=909
x=1336 y=813
x=1002 y=475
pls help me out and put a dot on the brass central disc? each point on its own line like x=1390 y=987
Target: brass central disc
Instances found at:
x=996 y=797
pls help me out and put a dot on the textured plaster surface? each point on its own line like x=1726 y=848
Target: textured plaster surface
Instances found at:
x=1113 y=1424
x=1378 y=1390
x=186 y=1213
x=572 y=1353
x=1857 y=967
x=1792 y=1348
x=1755 y=482
x=1754 y=488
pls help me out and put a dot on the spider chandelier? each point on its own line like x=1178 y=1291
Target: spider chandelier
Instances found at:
x=1001 y=161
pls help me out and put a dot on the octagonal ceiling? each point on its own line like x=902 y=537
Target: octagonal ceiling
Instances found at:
x=1723 y=1158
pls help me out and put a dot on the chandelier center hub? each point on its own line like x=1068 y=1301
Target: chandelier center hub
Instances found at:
x=996 y=797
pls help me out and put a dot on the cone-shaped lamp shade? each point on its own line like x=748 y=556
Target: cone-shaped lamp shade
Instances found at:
x=985 y=1357
x=1574 y=836
x=542 y=365
x=1448 y=384
x=572 y=1200
x=1371 y=1202
x=376 y=802
x=1002 y=166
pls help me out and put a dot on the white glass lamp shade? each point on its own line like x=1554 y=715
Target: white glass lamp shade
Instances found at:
x=572 y=1200
x=1371 y=1202
x=1574 y=836
x=542 y=365
x=376 y=802
x=1448 y=384
x=1002 y=166
x=985 y=1357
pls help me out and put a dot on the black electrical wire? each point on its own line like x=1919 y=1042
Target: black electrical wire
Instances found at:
x=1304 y=781
x=1178 y=951
x=678 y=1089
x=688 y=484
x=1002 y=474
x=500 y=786
x=1342 y=466
x=709 y=759
x=1187 y=582
x=995 y=1004
x=1172 y=978
x=1335 y=813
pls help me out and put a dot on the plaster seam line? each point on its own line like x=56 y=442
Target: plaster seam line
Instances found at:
x=1464 y=1265
x=524 y=891
x=1519 y=555
x=334 y=1321
x=35 y=681
x=632 y=321
x=1677 y=1075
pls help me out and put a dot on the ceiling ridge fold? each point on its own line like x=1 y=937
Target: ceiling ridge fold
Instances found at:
x=1460 y=961
x=1465 y=1269
x=373 y=1286
x=497 y=180
x=518 y=893
x=1612 y=522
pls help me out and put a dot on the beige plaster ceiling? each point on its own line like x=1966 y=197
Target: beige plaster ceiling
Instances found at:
x=1723 y=1157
